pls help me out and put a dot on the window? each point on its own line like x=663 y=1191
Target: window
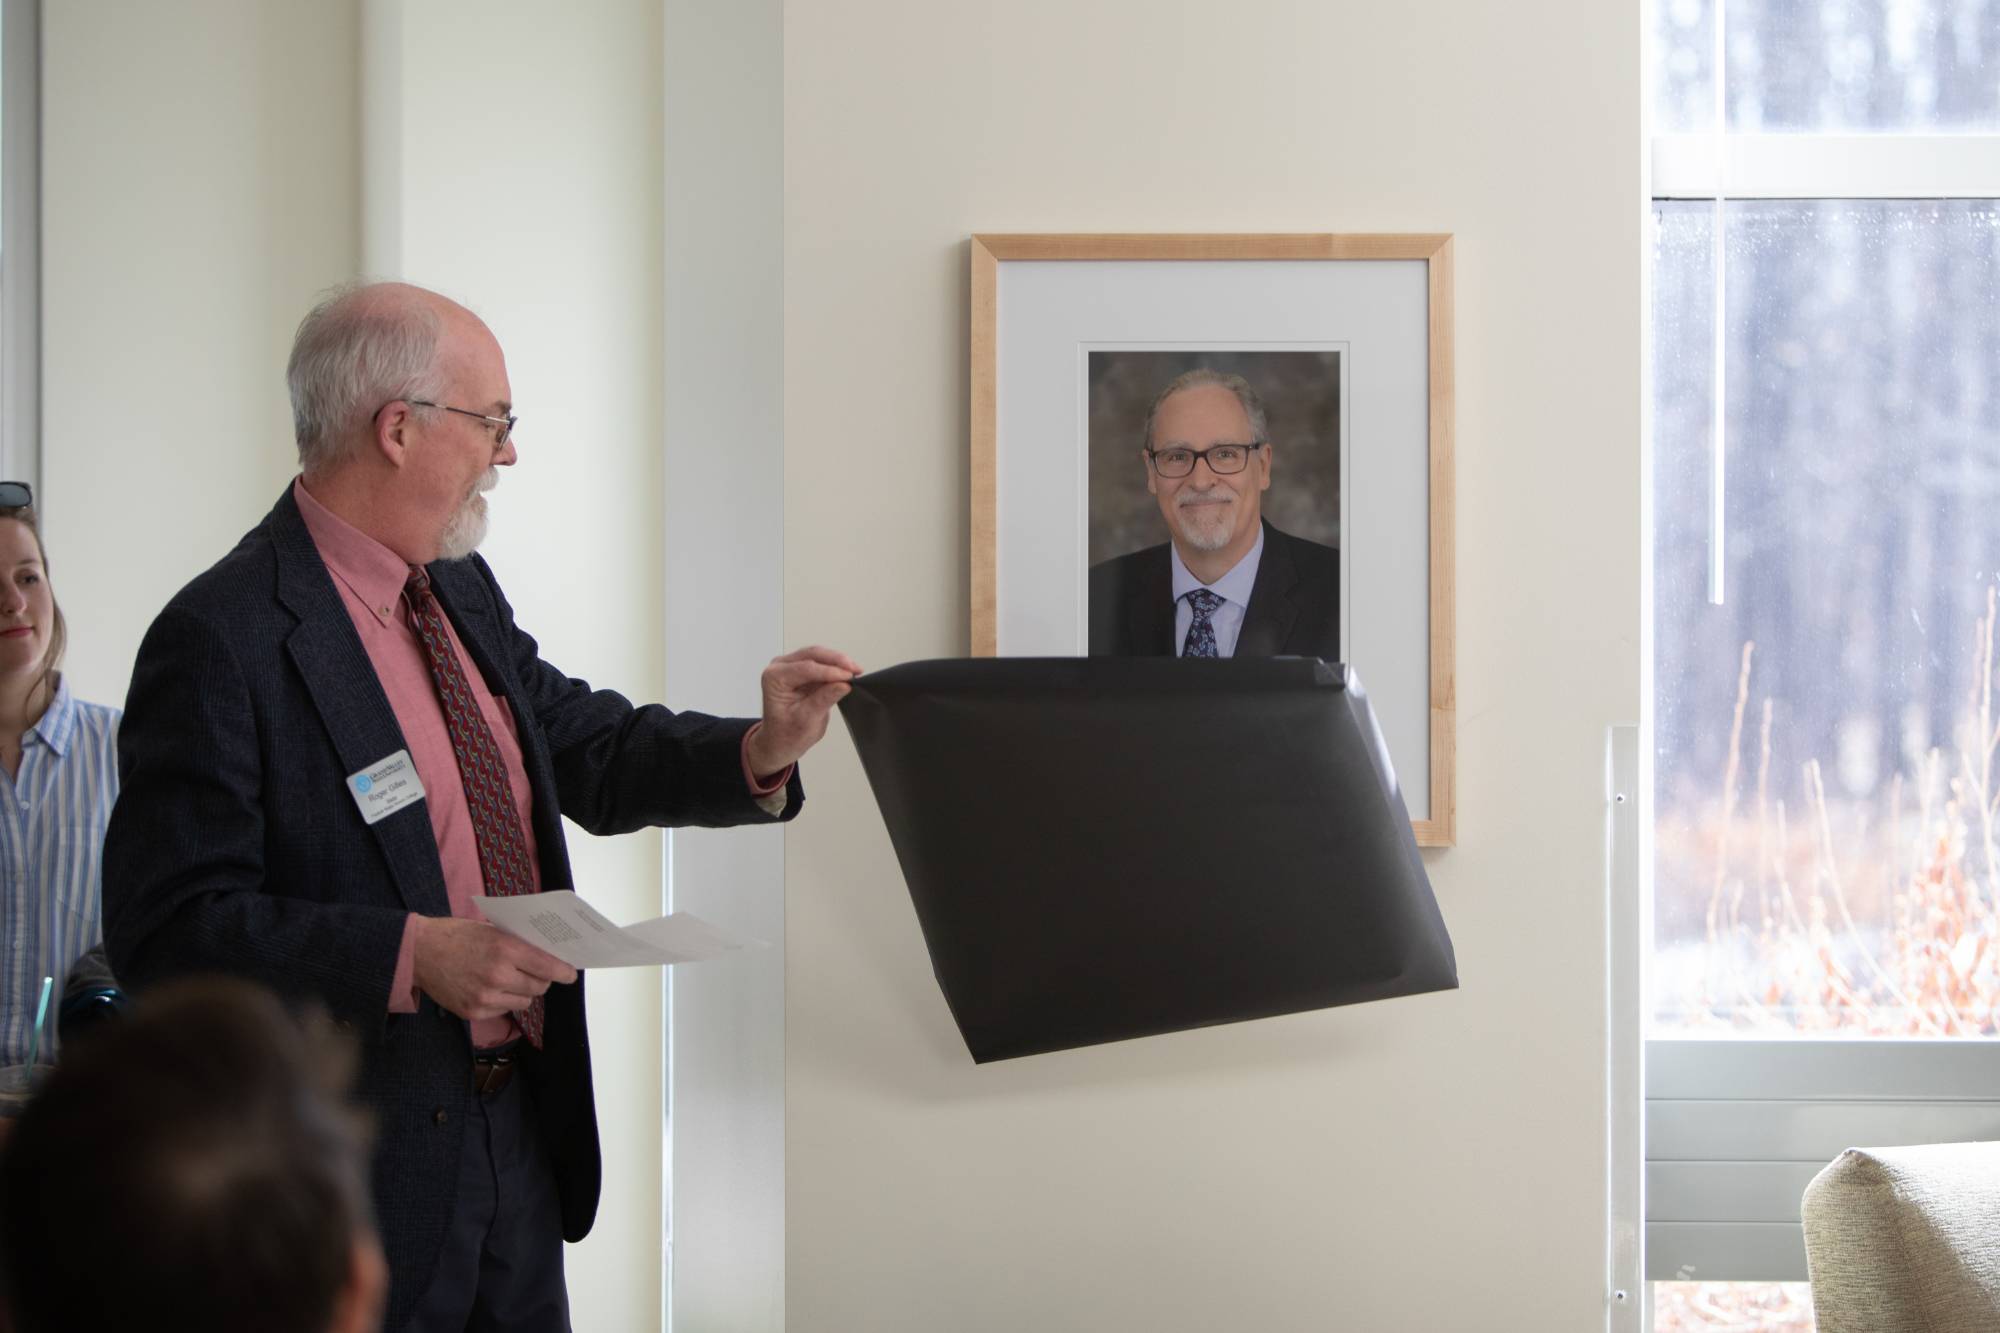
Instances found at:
x=20 y=241
x=1825 y=528
x=1825 y=835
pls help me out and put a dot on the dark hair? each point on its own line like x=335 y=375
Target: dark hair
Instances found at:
x=190 y=1167
x=59 y=629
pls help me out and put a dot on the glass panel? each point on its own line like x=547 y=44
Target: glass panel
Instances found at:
x=1862 y=65
x=1832 y=66
x=1683 y=66
x=1732 y=1307
x=1826 y=851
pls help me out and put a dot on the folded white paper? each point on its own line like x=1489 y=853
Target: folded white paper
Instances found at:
x=574 y=931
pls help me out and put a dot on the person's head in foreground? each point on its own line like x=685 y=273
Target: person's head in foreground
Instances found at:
x=402 y=409
x=195 y=1166
x=1208 y=461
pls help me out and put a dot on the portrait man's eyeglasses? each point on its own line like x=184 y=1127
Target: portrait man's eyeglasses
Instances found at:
x=15 y=495
x=1223 y=459
x=506 y=424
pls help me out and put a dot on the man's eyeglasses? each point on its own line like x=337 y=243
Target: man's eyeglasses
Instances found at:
x=15 y=495
x=1223 y=459
x=506 y=424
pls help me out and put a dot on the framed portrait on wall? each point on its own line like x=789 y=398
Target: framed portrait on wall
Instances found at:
x=1224 y=446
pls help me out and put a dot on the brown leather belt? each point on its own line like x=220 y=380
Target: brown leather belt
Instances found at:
x=492 y=1071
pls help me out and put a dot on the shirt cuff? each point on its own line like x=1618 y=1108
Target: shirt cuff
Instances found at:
x=760 y=788
x=403 y=986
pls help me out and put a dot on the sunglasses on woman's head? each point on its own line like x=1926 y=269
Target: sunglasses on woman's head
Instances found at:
x=15 y=495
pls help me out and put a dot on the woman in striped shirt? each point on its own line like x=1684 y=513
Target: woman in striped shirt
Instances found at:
x=58 y=777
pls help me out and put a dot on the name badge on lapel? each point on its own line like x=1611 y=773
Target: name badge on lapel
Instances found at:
x=383 y=788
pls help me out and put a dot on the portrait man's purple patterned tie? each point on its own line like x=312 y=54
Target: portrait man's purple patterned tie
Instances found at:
x=1201 y=630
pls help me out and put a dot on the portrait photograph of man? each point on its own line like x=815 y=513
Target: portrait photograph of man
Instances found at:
x=1215 y=503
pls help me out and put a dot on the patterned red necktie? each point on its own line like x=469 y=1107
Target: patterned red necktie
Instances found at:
x=503 y=851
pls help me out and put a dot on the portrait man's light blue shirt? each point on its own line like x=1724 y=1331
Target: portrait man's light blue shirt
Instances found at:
x=1233 y=588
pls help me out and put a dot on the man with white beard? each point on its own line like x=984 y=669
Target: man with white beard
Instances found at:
x=337 y=738
x=1227 y=583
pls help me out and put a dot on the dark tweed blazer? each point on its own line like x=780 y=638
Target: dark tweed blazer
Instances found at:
x=236 y=847
x=1294 y=604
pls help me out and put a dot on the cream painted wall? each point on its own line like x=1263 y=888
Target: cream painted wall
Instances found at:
x=1432 y=1163
x=723 y=380
x=1429 y=1163
x=198 y=186
x=512 y=159
x=203 y=178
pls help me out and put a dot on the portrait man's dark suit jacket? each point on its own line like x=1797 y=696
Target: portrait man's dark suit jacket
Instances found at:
x=237 y=847
x=1294 y=604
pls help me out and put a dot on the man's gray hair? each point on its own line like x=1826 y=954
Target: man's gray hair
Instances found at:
x=1253 y=406
x=356 y=350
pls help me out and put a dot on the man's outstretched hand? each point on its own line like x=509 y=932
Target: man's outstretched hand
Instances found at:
x=800 y=690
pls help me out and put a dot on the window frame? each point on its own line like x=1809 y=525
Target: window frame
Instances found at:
x=20 y=241
x=1739 y=167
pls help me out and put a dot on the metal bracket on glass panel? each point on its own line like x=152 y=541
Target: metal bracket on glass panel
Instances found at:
x=1624 y=998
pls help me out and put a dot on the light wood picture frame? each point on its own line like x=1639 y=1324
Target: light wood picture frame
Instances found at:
x=1379 y=306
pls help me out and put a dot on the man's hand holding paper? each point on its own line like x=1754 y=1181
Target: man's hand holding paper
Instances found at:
x=477 y=971
x=561 y=925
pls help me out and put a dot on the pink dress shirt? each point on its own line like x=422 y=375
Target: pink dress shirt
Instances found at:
x=370 y=578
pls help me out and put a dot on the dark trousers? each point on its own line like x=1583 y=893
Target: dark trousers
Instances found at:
x=501 y=1270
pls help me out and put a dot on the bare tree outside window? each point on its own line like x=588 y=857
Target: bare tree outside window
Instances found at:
x=1824 y=835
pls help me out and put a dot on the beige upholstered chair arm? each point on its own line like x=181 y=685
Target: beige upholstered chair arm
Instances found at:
x=1906 y=1239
